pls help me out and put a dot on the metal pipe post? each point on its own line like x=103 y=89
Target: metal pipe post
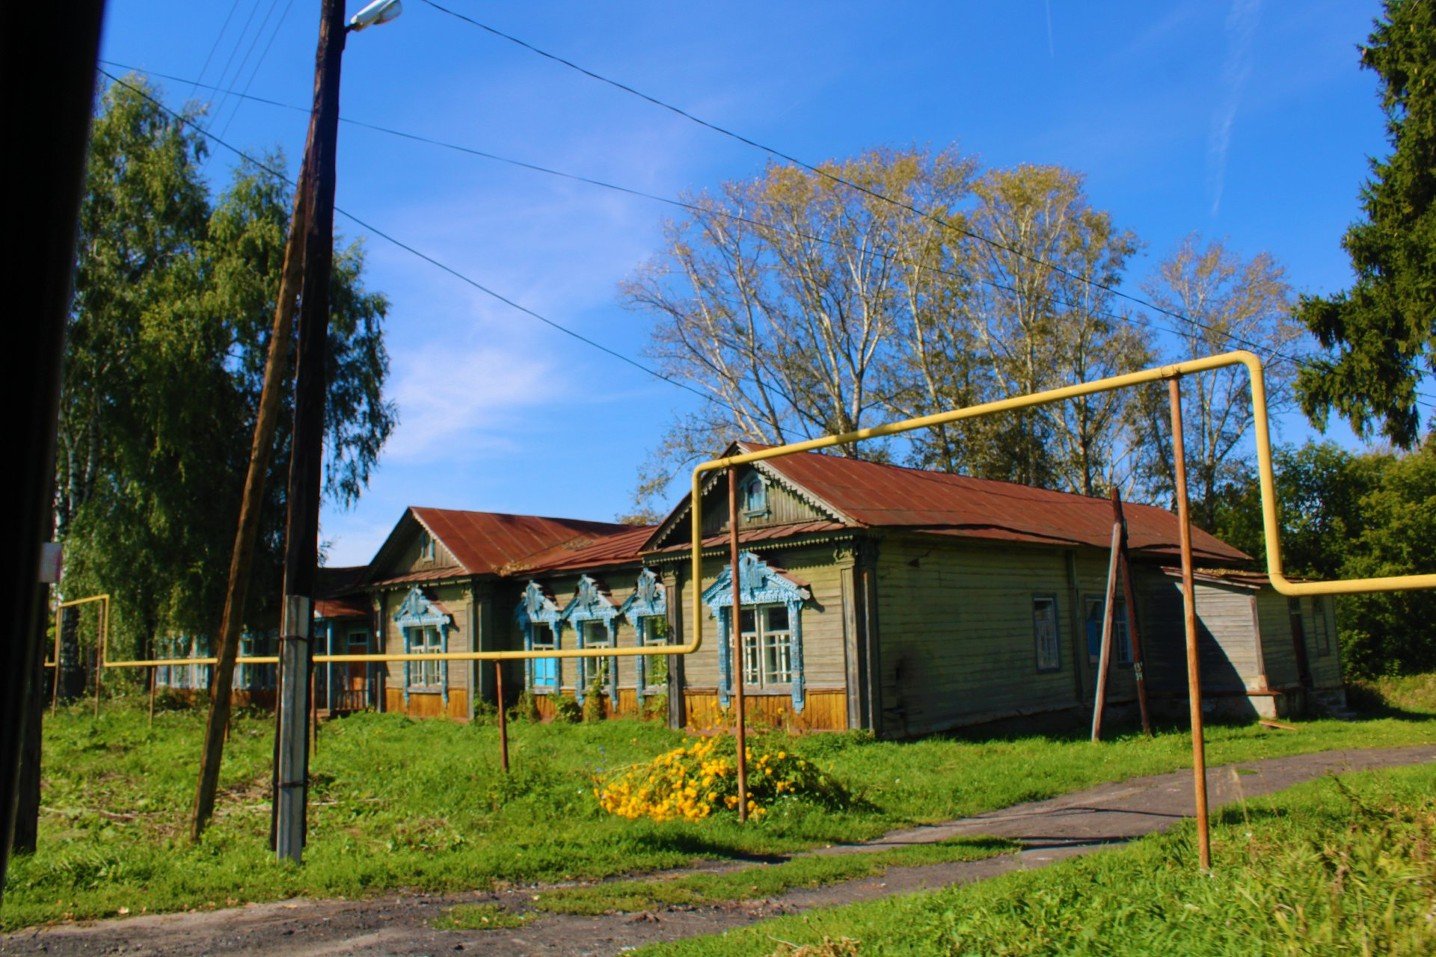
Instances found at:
x=736 y=622
x=1189 y=608
x=503 y=717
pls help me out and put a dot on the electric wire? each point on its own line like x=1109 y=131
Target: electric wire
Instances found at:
x=244 y=94
x=224 y=73
x=1228 y=336
x=694 y=207
x=214 y=47
x=818 y=170
x=394 y=240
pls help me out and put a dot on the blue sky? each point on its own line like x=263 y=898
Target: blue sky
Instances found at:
x=1246 y=122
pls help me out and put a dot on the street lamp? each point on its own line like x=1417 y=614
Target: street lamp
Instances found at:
x=380 y=11
x=301 y=532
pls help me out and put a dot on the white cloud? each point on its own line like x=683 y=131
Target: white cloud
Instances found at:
x=1236 y=70
x=454 y=401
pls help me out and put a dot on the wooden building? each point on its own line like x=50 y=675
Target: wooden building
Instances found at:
x=877 y=597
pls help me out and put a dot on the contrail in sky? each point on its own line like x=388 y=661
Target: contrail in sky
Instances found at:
x=1236 y=69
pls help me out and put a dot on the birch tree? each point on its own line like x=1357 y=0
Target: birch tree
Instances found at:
x=1225 y=302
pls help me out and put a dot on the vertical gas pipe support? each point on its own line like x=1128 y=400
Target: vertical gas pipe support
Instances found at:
x=736 y=657
x=503 y=718
x=1189 y=608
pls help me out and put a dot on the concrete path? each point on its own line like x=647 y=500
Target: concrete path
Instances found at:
x=1052 y=830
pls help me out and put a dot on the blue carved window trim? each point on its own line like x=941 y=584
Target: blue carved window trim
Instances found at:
x=647 y=611
x=536 y=609
x=758 y=586
x=592 y=615
x=419 y=619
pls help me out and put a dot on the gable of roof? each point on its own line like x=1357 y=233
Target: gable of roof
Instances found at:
x=862 y=494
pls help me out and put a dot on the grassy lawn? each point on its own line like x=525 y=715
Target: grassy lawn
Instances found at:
x=402 y=804
x=1337 y=866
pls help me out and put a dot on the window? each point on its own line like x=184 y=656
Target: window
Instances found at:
x=545 y=670
x=1318 y=625
x=427 y=549
x=426 y=675
x=753 y=496
x=1121 y=641
x=767 y=646
x=653 y=631
x=1044 y=629
x=597 y=670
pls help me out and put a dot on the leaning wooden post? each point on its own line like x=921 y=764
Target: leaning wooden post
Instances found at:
x=736 y=627
x=1134 y=637
x=503 y=718
x=154 y=675
x=1104 y=660
x=1189 y=607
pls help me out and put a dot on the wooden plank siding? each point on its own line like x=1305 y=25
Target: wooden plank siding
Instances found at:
x=958 y=640
x=428 y=704
x=456 y=599
x=822 y=567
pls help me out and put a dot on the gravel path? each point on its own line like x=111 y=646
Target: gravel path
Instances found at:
x=1074 y=824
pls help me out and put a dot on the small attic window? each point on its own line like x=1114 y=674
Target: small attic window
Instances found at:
x=427 y=549
x=753 y=496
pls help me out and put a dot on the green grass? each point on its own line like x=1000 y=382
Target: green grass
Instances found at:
x=480 y=917
x=423 y=805
x=751 y=883
x=1407 y=693
x=1337 y=866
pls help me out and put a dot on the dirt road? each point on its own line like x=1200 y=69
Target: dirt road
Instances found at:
x=1078 y=823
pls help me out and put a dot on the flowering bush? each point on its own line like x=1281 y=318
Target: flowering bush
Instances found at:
x=695 y=781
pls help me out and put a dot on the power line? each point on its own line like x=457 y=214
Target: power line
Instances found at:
x=417 y=252
x=244 y=94
x=830 y=176
x=735 y=217
x=704 y=210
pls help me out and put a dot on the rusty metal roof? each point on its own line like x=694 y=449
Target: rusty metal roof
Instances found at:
x=489 y=542
x=873 y=495
x=335 y=609
x=615 y=548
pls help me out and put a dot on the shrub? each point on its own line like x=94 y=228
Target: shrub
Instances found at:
x=526 y=707
x=566 y=709
x=695 y=781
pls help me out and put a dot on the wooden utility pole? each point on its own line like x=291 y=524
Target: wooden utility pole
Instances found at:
x=1134 y=637
x=1189 y=608
x=301 y=533
x=1104 y=659
x=736 y=621
x=261 y=451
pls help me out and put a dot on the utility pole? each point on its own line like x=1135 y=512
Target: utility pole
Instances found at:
x=276 y=372
x=301 y=533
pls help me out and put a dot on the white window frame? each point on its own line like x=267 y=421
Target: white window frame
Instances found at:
x=426 y=676
x=767 y=649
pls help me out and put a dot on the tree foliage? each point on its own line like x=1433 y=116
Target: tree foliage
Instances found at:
x=1348 y=515
x=1381 y=333
x=804 y=306
x=1224 y=302
x=174 y=295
